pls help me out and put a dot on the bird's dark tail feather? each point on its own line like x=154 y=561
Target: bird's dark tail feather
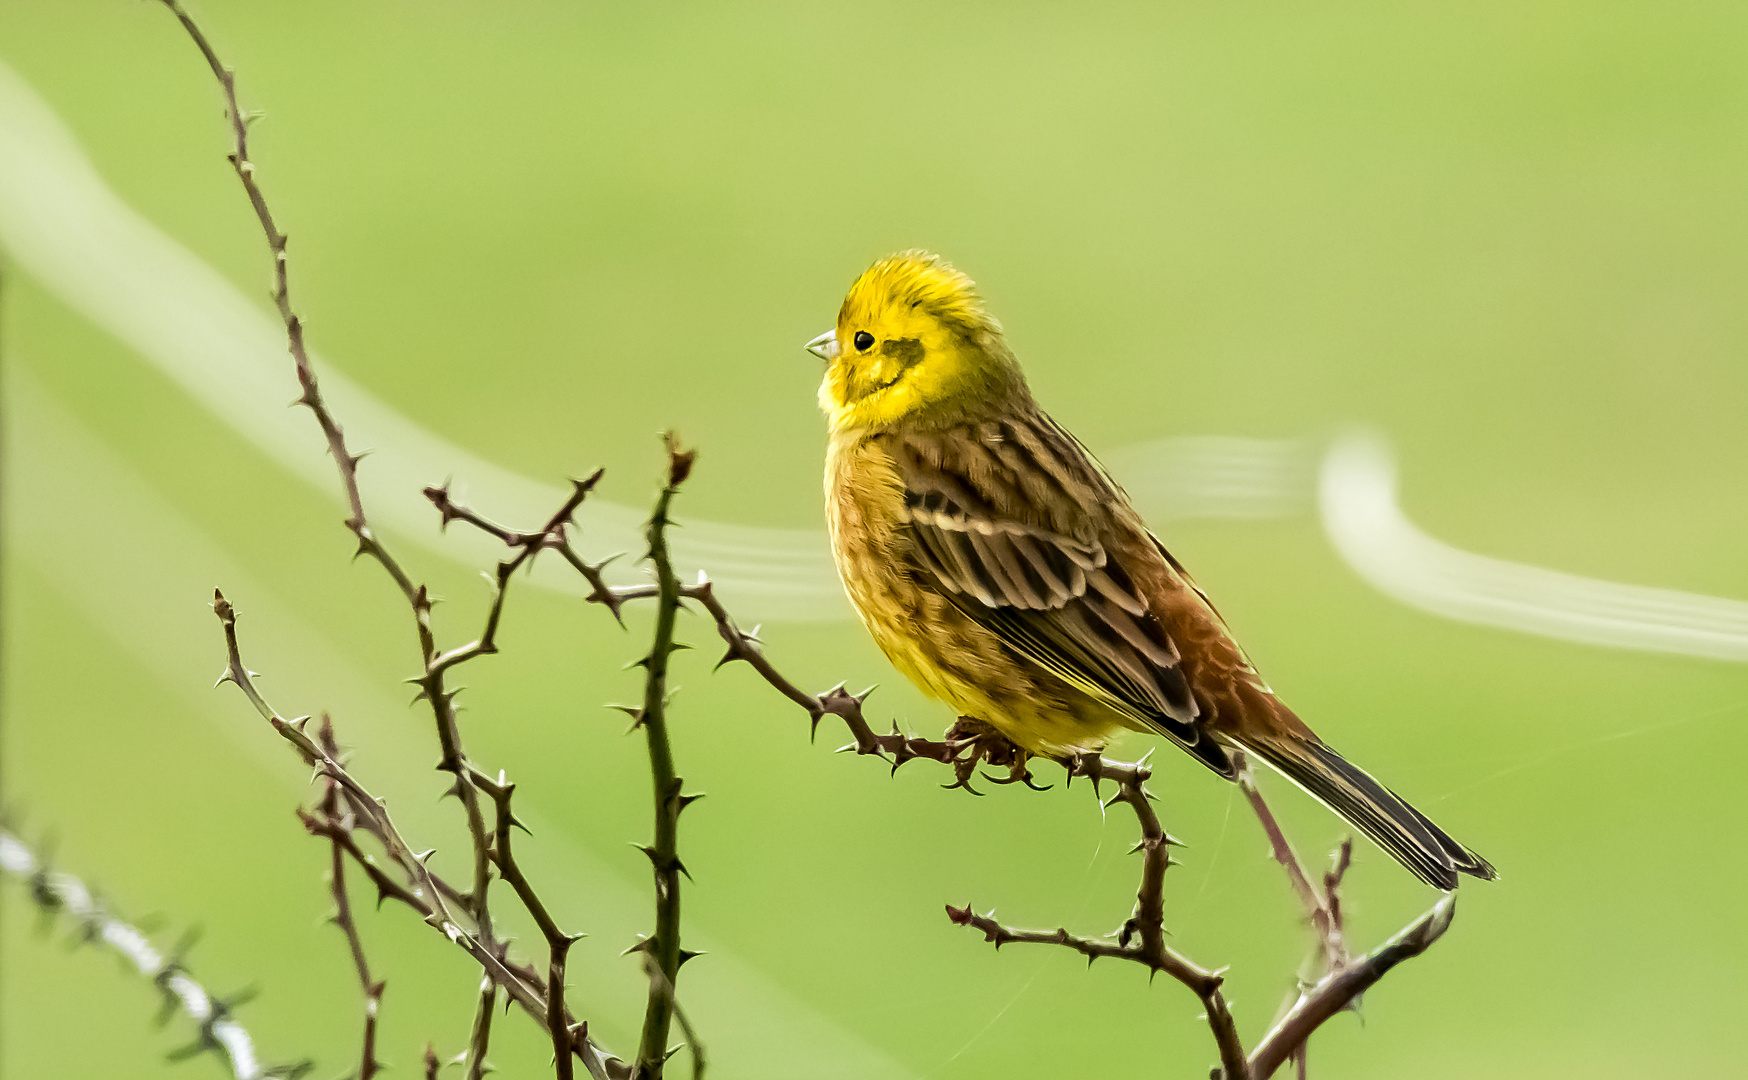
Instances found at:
x=1424 y=848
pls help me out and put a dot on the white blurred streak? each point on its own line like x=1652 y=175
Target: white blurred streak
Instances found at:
x=1360 y=512
x=75 y=236
x=64 y=225
x=1218 y=476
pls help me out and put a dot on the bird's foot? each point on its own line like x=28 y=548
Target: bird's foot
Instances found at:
x=977 y=742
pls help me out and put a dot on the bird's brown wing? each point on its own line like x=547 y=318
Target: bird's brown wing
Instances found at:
x=999 y=519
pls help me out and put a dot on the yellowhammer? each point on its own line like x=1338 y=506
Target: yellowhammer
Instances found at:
x=1002 y=570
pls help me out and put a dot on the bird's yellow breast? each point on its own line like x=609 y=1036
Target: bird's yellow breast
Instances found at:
x=928 y=639
x=865 y=516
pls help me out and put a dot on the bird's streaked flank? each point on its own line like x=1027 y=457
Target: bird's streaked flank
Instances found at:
x=1004 y=572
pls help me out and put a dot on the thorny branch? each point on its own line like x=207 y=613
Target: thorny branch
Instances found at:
x=1340 y=989
x=558 y=943
x=311 y=396
x=1141 y=938
x=428 y=894
x=1338 y=978
x=1323 y=909
x=217 y=1030
x=435 y=899
x=346 y=461
x=334 y=805
x=664 y=953
x=480 y=1036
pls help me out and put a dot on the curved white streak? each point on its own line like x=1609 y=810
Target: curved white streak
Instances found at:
x=63 y=224
x=1219 y=476
x=1361 y=515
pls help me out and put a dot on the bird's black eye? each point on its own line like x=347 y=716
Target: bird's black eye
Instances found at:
x=864 y=340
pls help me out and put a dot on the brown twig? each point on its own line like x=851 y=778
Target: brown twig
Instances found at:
x=558 y=942
x=433 y=688
x=311 y=397
x=427 y=892
x=1332 y=879
x=362 y=803
x=1320 y=908
x=525 y=546
x=480 y=1036
x=431 y=894
x=334 y=806
x=1340 y=989
x=1141 y=939
x=416 y=595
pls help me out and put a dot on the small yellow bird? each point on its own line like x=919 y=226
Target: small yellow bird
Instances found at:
x=1004 y=572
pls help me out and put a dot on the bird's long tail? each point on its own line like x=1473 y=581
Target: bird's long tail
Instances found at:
x=1424 y=848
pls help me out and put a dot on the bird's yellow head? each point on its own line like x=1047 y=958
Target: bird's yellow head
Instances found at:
x=913 y=342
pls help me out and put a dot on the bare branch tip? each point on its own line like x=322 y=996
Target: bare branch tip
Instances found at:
x=680 y=461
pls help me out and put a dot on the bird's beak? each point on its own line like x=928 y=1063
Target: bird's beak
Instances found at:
x=825 y=346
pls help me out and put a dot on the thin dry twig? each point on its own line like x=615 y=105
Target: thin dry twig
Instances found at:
x=969 y=744
x=558 y=943
x=346 y=461
x=218 y=1032
x=1321 y=908
x=1323 y=911
x=662 y=949
x=480 y=1036
x=427 y=892
x=1339 y=990
x=434 y=898
x=1141 y=939
x=311 y=397
x=334 y=806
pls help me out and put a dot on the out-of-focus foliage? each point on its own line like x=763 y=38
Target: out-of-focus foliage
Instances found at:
x=1511 y=236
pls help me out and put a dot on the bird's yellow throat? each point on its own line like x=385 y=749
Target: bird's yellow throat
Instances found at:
x=914 y=343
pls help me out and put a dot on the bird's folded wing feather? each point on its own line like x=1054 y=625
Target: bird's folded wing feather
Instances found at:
x=987 y=510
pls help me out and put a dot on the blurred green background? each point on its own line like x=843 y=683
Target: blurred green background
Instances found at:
x=1511 y=236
